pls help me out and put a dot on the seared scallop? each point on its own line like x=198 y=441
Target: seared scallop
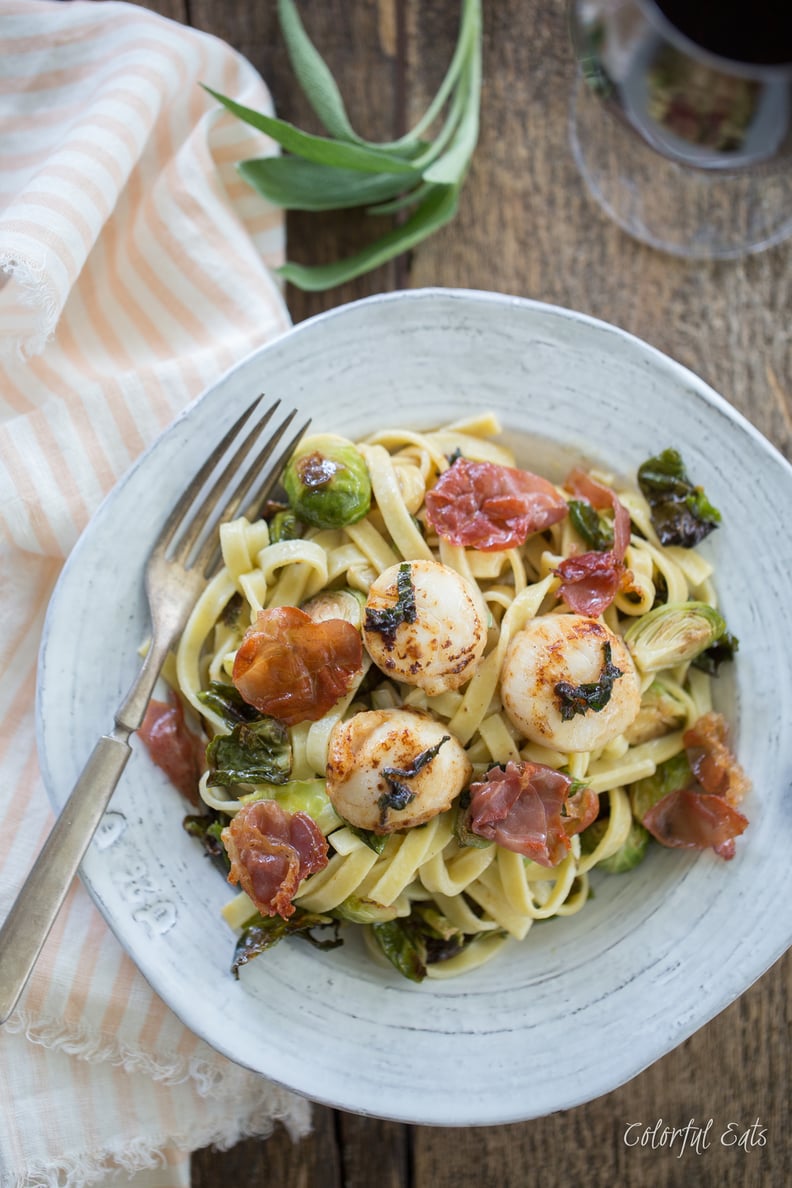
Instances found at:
x=569 y=683
x=426 y=625
x=393 y=769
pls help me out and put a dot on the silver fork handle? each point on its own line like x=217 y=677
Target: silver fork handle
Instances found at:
x=37 y=905
x=34 y=912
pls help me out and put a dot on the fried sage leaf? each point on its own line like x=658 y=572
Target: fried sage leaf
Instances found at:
x=592 y=695
x=253 y=753
x=681 y=512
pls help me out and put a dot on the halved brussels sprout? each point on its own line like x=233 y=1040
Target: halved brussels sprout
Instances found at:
x=337 y=604
x=327 y=482
x=284 y=525
x=300 y=796
x=670 y=776
x=630 y=853
x=672 y=634
x=660 y=713
x=365 y=911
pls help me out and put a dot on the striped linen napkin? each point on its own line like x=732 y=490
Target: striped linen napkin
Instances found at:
x=134 y=269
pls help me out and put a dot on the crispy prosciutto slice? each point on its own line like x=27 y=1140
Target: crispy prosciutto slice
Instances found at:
x=271 y=852
x=531 y=809
x=713 y=764
x=590 y=581
x=487 y=506
x=695 y=820
x=294 y=669
x=703 y=815
x=174 y=748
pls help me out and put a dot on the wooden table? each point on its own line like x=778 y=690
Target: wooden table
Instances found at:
x=526 y=226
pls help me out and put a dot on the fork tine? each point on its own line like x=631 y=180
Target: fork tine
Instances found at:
x=262 y=479
x=181 y=511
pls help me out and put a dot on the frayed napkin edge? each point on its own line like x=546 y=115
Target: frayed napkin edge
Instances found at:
x=35 y=291
x=114 y=1162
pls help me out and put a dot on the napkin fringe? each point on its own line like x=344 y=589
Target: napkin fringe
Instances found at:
x=209 y=1080
x=139 y=1155
x=33 y=291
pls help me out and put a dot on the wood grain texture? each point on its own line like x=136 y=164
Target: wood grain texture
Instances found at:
x=527 y=226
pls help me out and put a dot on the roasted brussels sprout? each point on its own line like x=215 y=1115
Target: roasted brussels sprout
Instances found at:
x=629 y=854
x=300 y=796
x=670 y=776
x=672 y=634
x=365 y=911
x=284 y=525
x=337 y=604
x=661 y=712
x=327 y=482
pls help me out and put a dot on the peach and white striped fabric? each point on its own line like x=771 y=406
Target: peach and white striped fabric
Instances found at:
x=134 y=269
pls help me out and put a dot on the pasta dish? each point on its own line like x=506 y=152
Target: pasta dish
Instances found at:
x=431 y=691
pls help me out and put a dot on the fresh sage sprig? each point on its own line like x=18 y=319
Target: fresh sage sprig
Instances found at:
x=342 y=169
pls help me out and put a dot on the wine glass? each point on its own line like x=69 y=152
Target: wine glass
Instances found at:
x=681 y=120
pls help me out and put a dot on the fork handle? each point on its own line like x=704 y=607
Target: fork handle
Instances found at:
x=28 y=923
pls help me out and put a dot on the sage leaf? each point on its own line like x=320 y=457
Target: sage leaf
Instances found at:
x=307 y=185
x=434 y=212
x=323 y=149
x=321 y=89
x=313 y=74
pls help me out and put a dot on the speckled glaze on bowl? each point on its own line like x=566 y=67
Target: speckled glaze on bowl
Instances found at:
x=584 y=1003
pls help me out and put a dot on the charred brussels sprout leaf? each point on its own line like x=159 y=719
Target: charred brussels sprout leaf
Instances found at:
x=723 y=649
x=629 y=854
x=253 y=753
x=375 y=841
x=424 y=937
x=462 y=831
x=670 y=776
x=327 y=482
x=681 y=512
x=673 y=634
x=593 y=695
x=284 y=525
x=337 y=604
x=594 y=530
x=263 y=932
x=208 y=827
x=227 y=702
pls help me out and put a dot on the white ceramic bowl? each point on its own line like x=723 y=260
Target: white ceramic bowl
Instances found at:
x=585 y=1002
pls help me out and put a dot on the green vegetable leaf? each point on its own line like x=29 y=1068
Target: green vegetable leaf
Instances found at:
x=627 y=857
x=437 y=209
x=681 y=512
x=313 y=74
x=343 y=170
x=208 y=827
x=424 y=937
x=451 y=167
x=323 y=93
x=263 y=932
x=593 y=695
x=324 y=149
x=228 y=703
x=594 y=529
x=723 y=649
x=253 y=753
x=307 y=185
x=670 y=776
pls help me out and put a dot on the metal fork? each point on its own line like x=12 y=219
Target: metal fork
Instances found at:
x=184 y=556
